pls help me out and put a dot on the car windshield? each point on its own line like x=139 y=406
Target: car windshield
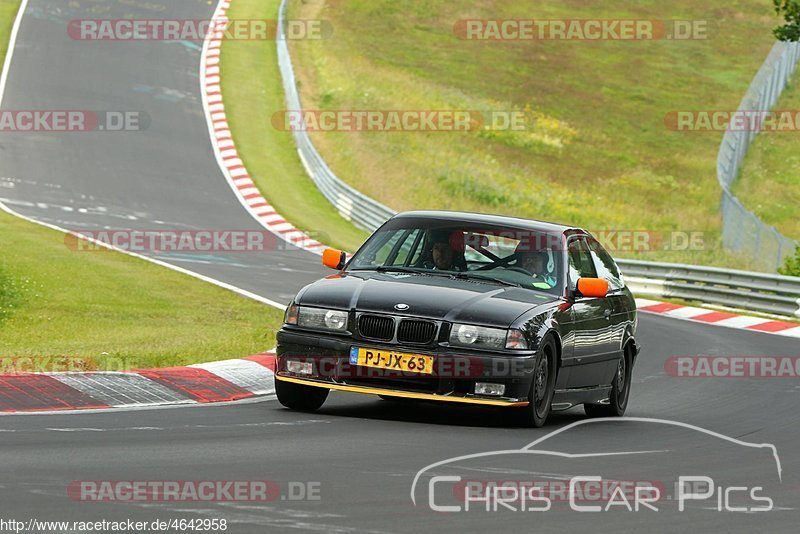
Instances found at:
x=495 y=255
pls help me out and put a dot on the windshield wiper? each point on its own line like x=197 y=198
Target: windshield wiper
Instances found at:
x=426 y=272
x=391 y=269
x=471 y=276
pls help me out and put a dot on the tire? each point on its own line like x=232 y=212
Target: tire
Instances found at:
x=299 y=397
x=543 y=386
x=620 y=392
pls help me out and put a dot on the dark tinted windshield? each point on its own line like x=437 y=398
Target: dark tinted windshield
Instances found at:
x=518 y=256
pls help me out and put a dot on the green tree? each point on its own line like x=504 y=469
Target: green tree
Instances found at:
x=792 y=265
x=790 y=11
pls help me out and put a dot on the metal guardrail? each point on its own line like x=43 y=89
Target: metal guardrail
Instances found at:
x=353 y=205
x=738 y=289
x=742 y=230
x=766 y=293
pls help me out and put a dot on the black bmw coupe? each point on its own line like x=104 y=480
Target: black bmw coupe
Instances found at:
x=465 y=308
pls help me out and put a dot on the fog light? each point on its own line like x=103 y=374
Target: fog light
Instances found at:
x=486 y=388
x=299 y=368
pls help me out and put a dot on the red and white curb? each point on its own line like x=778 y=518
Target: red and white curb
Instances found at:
x=720 y=318
x=228 y=158
x=239 y=379
x=222 y=381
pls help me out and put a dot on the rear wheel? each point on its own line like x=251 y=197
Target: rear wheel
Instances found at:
x=620 y=392
x=300 y=397
x=543 y=386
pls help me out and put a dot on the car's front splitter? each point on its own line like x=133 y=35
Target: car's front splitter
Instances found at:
x=506 y=402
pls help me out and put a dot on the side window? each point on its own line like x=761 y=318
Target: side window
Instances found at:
x=605 y=265
x=580 y=262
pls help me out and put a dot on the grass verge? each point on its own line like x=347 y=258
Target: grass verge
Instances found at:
x=111 y=310
x=596 y=152
x=253 y=92
x=63 y=310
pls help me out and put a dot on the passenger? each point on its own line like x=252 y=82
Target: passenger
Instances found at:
x=536 y=263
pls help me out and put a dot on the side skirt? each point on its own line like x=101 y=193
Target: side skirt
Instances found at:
x=564 y=399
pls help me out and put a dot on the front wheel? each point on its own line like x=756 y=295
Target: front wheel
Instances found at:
x=620 y=392
x=300 y=397
x=543 y=386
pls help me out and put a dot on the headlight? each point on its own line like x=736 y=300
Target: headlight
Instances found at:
x=467 y=335
x=321 y=319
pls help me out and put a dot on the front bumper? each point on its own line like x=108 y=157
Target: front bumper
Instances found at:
x=455 y=371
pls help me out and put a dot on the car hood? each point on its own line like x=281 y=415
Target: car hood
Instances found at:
x=432 y=297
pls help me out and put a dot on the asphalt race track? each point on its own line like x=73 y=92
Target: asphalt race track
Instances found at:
x=360 y=452
x=164 y=177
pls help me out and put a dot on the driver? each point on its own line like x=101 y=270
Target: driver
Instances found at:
x=443 y=257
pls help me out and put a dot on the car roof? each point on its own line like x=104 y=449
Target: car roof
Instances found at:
x=483 y=218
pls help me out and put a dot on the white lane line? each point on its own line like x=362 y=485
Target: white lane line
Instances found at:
x=12 y=40
x=265 y=424
x=138 y=408
x=24 y=203
x=75 y=429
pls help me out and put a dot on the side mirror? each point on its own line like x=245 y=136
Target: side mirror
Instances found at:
x=335 y=259
x=593 y=287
